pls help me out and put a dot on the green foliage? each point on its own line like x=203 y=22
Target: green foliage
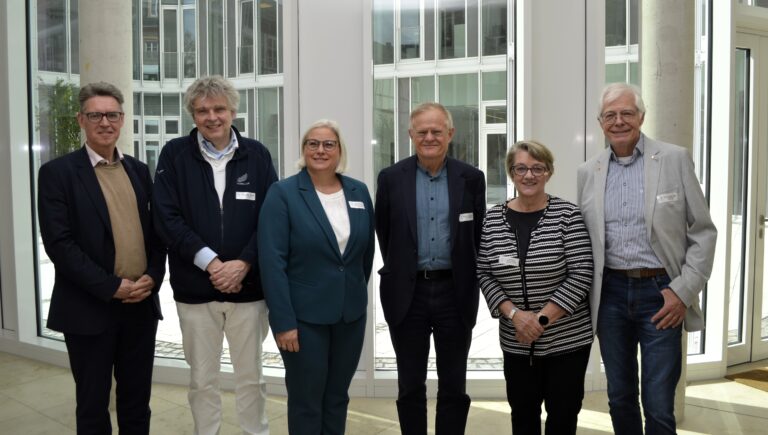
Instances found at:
x=64 y=130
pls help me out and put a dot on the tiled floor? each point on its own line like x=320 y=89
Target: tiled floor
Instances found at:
x=37 y=398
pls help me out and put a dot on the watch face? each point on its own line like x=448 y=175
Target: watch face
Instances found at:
x=543 y=320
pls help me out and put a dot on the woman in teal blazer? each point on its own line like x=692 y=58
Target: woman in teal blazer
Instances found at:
x=316 y=245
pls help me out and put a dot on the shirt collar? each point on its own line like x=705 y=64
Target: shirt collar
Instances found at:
x=439 y=174
x=210 y=150
x=637 y=152
x=96 y=159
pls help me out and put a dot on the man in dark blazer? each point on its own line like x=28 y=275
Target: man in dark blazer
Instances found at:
x=97 y=230
x=429 y=212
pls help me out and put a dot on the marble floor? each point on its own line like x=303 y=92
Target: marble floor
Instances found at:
x=38 y=399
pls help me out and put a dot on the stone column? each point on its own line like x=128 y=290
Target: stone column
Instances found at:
x=106 y=53
x=667 y=77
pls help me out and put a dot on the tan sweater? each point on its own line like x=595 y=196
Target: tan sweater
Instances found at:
x=127 y=234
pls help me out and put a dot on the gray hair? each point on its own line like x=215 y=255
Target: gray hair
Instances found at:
x=614 y=91
x=536 y=149
x=334 y=127
x=424 y=107
x=99 y=89
x=211 y=86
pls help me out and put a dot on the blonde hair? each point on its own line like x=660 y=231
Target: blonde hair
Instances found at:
x=334 y=127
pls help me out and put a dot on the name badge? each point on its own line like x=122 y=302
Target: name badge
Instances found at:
x=666 y=197
x=509 y=260
x=466 y=217
x=248 y=196
x=357 y=204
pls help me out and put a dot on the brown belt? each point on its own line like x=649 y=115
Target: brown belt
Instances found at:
x=639 y=273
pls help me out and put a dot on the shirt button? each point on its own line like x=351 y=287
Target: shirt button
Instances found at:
x=431 y=219
x=624 y=204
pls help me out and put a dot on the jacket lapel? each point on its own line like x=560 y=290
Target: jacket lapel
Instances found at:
x=356 y=219
x=307 y=192
x=455 y=194
x=92 y=188
x=651 y=169
x=409 y=195
x=600 y=177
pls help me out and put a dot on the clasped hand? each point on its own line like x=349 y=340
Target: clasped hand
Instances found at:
x=131 y=292
x=227 y=276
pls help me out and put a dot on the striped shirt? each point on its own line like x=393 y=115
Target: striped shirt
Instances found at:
x=558 y=268
x=627 y=245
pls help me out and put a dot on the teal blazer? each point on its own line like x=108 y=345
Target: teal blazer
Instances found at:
x=303 y=273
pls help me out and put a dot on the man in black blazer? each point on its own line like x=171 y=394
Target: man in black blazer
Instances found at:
x=429 y=212
x=97 y=230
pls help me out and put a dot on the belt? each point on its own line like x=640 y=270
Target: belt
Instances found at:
x=434 y=274
x=639 y=273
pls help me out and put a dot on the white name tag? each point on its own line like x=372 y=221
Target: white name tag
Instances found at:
x=357 y=204
x=666 y=197
x=509 y=260
x=466 y=217
x=248 y=196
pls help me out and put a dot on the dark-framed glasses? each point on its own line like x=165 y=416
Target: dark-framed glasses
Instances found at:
x=314 y=144
x=612 y=117
x=521 y=170
x=95 y=117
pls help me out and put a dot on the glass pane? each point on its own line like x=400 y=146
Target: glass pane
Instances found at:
x=496 y=115
x=269 y=124
x=383 y=31
x=738 y=220
x=494 y=27
x=190 y=36
x=151 y=126
x=170 y=50
x=459 y=94
x=171 y=126
x=246 y=37
x=452 y=29
x=422 y=90
x=171 y=104
x=268 y=37
x=634 y=18
x=615 y=23
x=471 y=29
x=136 y=38
x=239 y=124
x=429 y=29
x=150 y=32
x=52 y=35
x=74 y=37
x=616 y=72
x=152 y=152
x=410 y=29
x=136 y=127
x=403 y=118
x=761 y=3
x=496 y=148
x=383 y=125
x=634 y=73
x=495 y=85
x=216 y=37
x=152 y=104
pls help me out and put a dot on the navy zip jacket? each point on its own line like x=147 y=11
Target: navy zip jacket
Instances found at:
x=188 y=216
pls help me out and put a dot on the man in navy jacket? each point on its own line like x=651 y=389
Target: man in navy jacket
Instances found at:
x=429 y=212
x=209 y=188
x=97 y=230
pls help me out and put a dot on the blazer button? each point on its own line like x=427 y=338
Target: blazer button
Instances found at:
x=341 y=268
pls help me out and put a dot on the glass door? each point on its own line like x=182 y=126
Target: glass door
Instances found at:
x=748 y=292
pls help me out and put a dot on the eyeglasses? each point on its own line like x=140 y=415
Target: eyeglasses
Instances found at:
x=421 y=134
x=314 y=144
x=610 y=118
x=95 y=117
x=521 y=170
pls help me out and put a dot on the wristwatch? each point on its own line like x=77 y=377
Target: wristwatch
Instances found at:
x=512 y=313
x=543 y=320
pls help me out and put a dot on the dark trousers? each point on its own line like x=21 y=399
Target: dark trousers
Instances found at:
x=127 y=346
x=433 y=310
x=558 y=381
x=318 y=376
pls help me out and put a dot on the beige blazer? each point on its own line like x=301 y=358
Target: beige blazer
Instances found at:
x=677 y=220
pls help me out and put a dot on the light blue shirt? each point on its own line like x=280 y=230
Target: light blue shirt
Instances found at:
x=627 y=245
x=433 y=224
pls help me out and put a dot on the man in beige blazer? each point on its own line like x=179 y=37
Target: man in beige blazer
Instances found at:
x=653 y=244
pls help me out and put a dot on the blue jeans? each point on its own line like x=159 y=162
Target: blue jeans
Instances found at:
x=624 y=321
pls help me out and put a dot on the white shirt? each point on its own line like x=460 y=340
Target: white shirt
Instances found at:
x=335 y=207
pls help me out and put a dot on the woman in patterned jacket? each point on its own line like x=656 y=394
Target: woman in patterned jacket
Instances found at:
x=535 y=271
